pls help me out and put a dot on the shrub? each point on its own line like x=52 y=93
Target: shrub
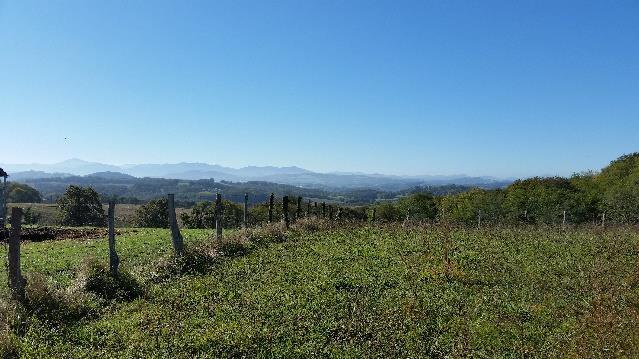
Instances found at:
x=153 y=214
x=81 y=206
x=21 y=193
x=51 y=304
x=203 y=215
x=31 y=217
x=96 y=278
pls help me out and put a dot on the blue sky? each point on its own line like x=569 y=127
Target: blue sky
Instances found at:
x=502 y=88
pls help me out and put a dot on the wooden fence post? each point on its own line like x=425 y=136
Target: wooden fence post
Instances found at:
x=330 y=212
x=603 y=219
x=114 y=260
x=298 y=213
x=176 y=236
x=245 y=210
x=323 y=209
x=374 y=212
x=219 y=215
x=315 y=212
x=271 y=202
x=16 y=281
x=308 y=208
x=407 y=218
x=479 y=219
x=285 y=211
x=3 y=198
x=563 y=223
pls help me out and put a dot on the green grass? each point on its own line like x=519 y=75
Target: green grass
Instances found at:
x=369 y=291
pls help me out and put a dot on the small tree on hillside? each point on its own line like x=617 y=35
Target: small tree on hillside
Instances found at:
x=21 y=193
x=421 y=206
x=153 y=214
x=81 y=206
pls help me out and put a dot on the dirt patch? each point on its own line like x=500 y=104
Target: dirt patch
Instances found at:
x=40 y=234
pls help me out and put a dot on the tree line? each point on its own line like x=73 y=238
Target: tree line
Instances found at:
x=609 y=195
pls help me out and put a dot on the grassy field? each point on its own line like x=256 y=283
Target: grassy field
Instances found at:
x=363 y=291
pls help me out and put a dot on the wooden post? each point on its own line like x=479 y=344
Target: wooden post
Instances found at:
x=479 y=219
x=176 y=236
x=330 y=212
x=3 y=198
x=339 y=213
x=114 y=260
x=603 y=219
x=16 y=281
x=526 y=215
x=219 y=215
x=374 y=212
x=323 y=209
x=298 y=213
x=271 y=202
x=308 y=208
x=315 y=213
x=563 y=223
x=285 y=211
x=245 y=210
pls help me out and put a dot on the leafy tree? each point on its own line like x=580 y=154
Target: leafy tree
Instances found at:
x=421 y=205
x=21 y=193
x=588 y=200
x=153 y=214
x=80 y=206
x=31 y=217
x=619 y=183
x=466 y=207
x=387 y=212
x=541 y=200
x=203 y=215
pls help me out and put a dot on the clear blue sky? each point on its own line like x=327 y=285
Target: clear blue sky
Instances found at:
x=503 y=88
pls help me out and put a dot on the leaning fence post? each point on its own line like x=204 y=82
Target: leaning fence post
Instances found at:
x=298 y=213
x=271 y=201
x=176 y=236
x=245 y=210
x=114 y=260
x=219 y=215
x=16 y=281
x=285 y=211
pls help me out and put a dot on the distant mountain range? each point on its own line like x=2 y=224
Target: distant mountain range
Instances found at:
x=283 y=175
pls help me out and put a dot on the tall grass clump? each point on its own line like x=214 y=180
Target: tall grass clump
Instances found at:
x=95 y=277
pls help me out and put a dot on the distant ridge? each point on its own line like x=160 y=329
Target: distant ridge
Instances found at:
x=291 y=175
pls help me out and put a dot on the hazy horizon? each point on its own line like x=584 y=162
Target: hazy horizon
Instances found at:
x=124 y=166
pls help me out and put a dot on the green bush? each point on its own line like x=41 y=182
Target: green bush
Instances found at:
x=81 y=206
x=21 y=193
x=96 y=278
x=154 y=214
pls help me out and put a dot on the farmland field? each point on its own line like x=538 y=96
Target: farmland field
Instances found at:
x=372 y=291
